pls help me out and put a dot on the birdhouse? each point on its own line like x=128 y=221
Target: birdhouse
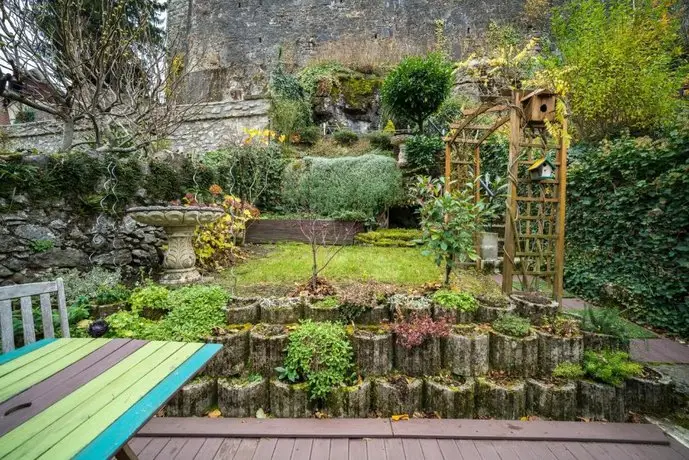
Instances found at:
x=539 y=106
x=542 y=169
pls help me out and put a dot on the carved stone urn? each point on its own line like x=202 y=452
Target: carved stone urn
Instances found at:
x=179 y=223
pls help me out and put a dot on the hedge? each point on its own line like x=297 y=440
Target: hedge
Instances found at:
x=628 y=228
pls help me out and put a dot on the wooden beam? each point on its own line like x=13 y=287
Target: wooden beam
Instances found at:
x=512 y=176
x=558 y=282
x=495 y=108
x=448 y=166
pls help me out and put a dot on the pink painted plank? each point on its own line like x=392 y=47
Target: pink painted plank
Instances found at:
x=283 y=449
x=339 y=449
x=302 y=449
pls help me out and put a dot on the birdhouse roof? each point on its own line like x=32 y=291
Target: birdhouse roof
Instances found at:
x=542 y=92
x=540 y=162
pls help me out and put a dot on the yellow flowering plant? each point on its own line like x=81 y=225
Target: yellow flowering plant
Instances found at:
x=216 y=244
x=262 y=136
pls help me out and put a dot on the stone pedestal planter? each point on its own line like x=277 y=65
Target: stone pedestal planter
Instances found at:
x=488 y=245
x=284 y=310
x=556 y=401
x=195 y=399
x=535 y=307
x=490 y=309
x=243 y=311
x=598 y=401
x=289 y=400
x=467 y=351
x=407 y=306
x=453 y=315
x=505 y=400
x=350 y=402
x=231 y=359
x=397 y=395
x=597 y=342
x=515 y=356
x=267 y=344
x=652 y=393
x=318 y=313
x=179 y=223
x=553 y=350
x=372 y=351
x=241 y=397
x=374 y=315
x=450 y=399
x=424 y=359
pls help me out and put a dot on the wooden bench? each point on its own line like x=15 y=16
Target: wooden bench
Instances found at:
x=24 y=292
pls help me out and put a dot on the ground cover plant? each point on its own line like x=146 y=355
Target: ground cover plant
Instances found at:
x=320 y=355
x=611 y=367
x=455 y=300
x=416 y=329
x=512 y=325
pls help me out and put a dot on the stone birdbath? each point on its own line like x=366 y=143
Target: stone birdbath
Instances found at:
x=179 y=223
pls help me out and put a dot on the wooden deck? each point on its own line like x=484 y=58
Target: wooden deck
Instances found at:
x=366 y=439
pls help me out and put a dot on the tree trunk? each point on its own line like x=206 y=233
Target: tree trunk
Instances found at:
x=67 y=135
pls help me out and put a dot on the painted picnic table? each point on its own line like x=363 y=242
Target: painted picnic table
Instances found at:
x=85 y=398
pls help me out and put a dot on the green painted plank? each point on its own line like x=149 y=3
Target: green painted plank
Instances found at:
x=86 y=427
x=88 y=418
x=41 y=369
x=25 y=350
x=35 y=354
x=40 y=422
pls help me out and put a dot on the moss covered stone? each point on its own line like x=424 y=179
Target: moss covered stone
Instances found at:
x=450 y=399
x=421 y=360
x=289 y=400
x=556 y=401
x=283 y=310
x=243 y=310
x=231 y=359
x=242 y=397
x=501 y=400
x=267 y=344
x=599 y=401
x=397 y=395
x=373 y=351
x=350 y=402
x=516 y=356
x=195 y=399
x=467 y=351
x=553 y=350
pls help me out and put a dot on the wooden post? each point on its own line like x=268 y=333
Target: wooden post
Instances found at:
x=448 y=165
x=558 y=282
x=477 y=198
x=512 y=177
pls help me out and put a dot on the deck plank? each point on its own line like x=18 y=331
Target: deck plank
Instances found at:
x=449 y=449
x=302 y=449
x=486 y=450
x=412 y=449
x=209 y=448
x=320 y=448
x=527 y=450
x=190 y=449
x=394 y=449
x=431 y=449
x=578 y=451
x=138 y=444
x=357 y=450
x=171 y=449
x=559 y=450
x=228 y=448
x=375 y=449
x=265 y=448
x=339 y=449
x=247 y=448
x=153 y=447
x=283 y=449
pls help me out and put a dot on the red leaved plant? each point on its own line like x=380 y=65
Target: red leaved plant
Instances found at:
x=413 y=331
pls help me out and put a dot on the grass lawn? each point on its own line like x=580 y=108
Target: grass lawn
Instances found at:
x=284 y=265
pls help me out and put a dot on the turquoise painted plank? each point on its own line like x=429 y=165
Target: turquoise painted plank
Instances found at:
x=117 y=434
x=7 y=357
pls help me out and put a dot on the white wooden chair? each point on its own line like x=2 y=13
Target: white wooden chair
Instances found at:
x=23 y=292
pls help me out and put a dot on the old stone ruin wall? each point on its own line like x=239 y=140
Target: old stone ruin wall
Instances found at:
x=207 y=127
x=231 y=46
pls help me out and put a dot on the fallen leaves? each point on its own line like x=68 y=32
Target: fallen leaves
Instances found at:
x=400 y=417
x=215 y=414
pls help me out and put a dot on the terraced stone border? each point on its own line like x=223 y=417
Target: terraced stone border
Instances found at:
x=350 y=402
x=241 y=397
x=487 y=313
x=556 y=401
x=515 y=356
x=282 y=310
x=243 y=310
x=289 y=400
x=597 y=342
x=526 y=306
x=373 y=351
x=467 y=351
x=421 y=360
x=505 y=401
x=267 y=344
x=455 y=400
x=403 y=395
x=653 y=394
x=598 y=401
x=195 y=399
x=231 y=359
x=553 y=350
x=452 y=315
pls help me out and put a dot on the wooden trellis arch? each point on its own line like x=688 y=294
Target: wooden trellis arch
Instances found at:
x=535 y=214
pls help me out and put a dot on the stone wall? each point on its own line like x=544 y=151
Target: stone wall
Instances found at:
x=231 y=46
x=38 y=239
x=208 y=127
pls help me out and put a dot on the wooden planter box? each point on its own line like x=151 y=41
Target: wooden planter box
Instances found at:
x=262 y=231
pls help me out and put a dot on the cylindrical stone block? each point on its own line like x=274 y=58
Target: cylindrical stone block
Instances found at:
x=453 y=399
x=372 y=351
x=405 y=306
x=421 y=360
x=553 y=401
x=289 y=400
x=267 y=345
x=594 y=341
x=397 y=395
x=599 y=401
x=284 y=310
x=241 y=397
x=231 y=359
x=535 y=307
x=467 y=351
x=243 y=311
x=651 y=393
x=195 y=399
x=490 y=309
x=553 y=350
x=515 y=356
x=506 y=401
x=350 y=402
